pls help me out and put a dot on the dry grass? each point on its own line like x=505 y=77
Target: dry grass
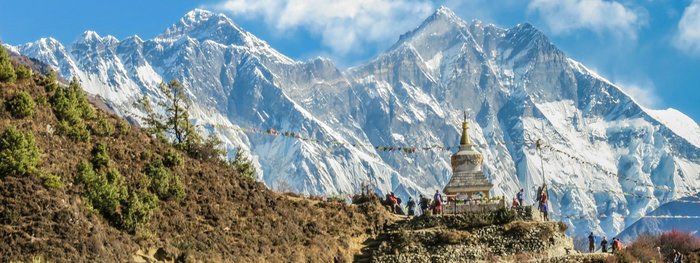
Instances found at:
x=223 y=217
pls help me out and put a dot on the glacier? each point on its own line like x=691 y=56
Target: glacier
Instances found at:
x=615 y=160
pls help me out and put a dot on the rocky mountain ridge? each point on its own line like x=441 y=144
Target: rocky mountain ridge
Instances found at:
x=518 y=86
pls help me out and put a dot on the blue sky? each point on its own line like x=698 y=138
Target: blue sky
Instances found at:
x=650 y=47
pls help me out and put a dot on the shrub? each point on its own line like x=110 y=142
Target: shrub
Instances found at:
x=139 y=209
x=52 y=181
x=163 y=183
x=7 y=72
x=23 y=72
x=103 y=127
x=100 y=157
x=146 y=155
x=77 y=131
x=50 y=82
x=19 y=154
x=643 y=249
x=243 y=165
x=103 y=193
x=678 y=240
x=71 y=107
x=172 y=159
x=210 y=149
x=106 y=192
x=21 y=105
x=42 y=100
x=123 y=127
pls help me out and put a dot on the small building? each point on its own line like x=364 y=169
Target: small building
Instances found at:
x=468 y=181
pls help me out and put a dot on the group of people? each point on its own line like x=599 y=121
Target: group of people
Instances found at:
x=541 y=201
x=615 y=245
x=393 y=203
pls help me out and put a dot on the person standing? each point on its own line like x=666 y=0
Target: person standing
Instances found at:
x=519 y=195
x=437 y=198
x=515 y=203
x=591 y=243
x=604 y=245
x=411 y=206
x=545 y=212
x=423 y=203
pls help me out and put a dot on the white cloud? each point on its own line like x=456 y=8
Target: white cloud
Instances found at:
x=687 y=38
x=344 y=26
x=643 y=94
x=564 y=16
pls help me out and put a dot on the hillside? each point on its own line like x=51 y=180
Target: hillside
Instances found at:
x=55 y=212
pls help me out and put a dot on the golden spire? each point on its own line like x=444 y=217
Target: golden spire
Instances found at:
x=465 y=136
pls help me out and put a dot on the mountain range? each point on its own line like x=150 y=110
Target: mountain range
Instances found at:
x=314 y=128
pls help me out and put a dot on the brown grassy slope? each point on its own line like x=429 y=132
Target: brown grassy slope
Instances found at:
x=223 y=217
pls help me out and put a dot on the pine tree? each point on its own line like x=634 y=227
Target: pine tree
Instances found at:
x=152 y=120
x=19 y=154
x=7 y=72
x=243 y=165
x=177 y=121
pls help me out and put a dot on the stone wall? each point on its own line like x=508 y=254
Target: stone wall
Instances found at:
x=512 y=235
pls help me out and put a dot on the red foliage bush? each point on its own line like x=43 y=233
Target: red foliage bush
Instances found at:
x=644 y=249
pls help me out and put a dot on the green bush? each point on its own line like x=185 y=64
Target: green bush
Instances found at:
x=71 y=107
x=243 y=165
x=103 y=193
x=125 y=208
x=103 y=127
x=123 y=127
x=77 y=131
x=172 y=159
x=23 y=72
x=21 y=105
x=50 y=82
x=100 y=157
x=42 y=100
x=7 y=72
x=19 y=154
x=163 y=183
x=139 y=209
x=52 y=181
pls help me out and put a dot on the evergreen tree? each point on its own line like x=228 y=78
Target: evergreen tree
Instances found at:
x=152 y=120
x=50 y=82
x=21 y=105
x=7 y=72
x=176 y=106
x=243 y=165
x=23 y=72
x=19 y=154
x=71 y=107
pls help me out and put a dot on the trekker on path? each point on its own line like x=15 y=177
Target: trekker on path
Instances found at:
x=394 y=202
x=591 y=243
x=515 y=202
x=604 y=245
x=423 y=203
x=539 y=198
x=437 y=198
x=519 y=195
x=545 y=212
x=411 y=206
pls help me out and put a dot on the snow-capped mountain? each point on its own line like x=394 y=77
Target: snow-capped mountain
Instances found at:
x=682 y=215
x=518 y=86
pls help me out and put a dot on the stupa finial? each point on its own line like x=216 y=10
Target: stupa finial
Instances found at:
x=465 y=136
